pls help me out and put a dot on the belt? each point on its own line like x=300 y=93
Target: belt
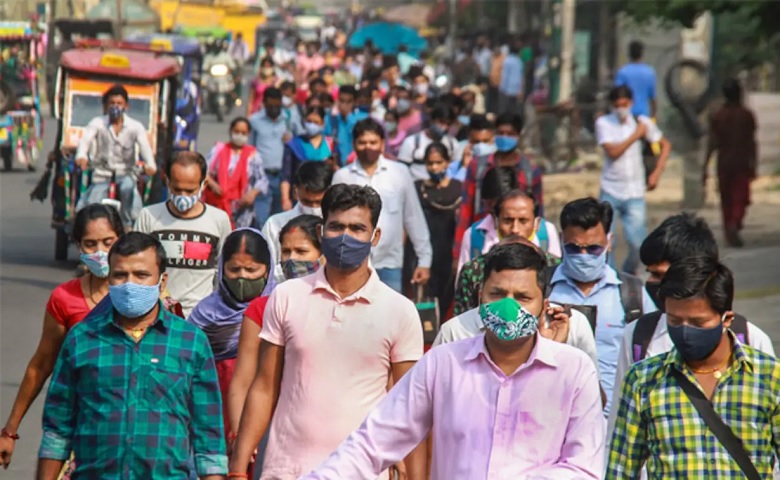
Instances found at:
x=273 y=171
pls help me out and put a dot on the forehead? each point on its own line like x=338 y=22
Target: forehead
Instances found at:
x=369 y=137
x=581 y=236
x=518 y=205
x=513 y=281
x=351 y=216
x=144 y=260
x=185 y=171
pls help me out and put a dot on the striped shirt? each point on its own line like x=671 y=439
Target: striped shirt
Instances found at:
x=657 y=424
x=135 y=410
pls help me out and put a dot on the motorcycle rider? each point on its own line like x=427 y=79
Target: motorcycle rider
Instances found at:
x=109 y=147
x=218 y=55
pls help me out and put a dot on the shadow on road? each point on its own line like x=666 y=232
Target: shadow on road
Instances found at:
x=44 y=284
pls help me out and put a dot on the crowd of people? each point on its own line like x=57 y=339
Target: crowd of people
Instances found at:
x=265 y=318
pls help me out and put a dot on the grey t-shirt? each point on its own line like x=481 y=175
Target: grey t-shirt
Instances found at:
x=192 y=247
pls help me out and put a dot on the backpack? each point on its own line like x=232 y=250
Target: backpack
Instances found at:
x=649 y=157
x=631 y=288
x=646 y=324
x=478 y=239
x=417 y=140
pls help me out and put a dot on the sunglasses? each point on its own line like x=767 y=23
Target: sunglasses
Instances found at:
x=574 y=249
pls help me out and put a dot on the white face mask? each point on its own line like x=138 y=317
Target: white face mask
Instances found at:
x=287 y=101
x=622 y=112
x=239 y=139
x=316 y=211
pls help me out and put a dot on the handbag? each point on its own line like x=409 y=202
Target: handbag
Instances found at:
x=723 y=432
x=428 y=309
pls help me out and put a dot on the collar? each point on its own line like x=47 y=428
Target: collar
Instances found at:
x=741 y=358
x=161 y=322
x=367 y=292
x=487 y=224
x=382 y=164
x=264 y=116
x=542 y=352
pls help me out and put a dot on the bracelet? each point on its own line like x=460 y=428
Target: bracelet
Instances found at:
x=231 y=437
x=5 y=433
x=237 y=475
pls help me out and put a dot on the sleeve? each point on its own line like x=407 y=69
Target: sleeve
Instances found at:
x=256 y=309
x=620 y=78
x=581 y=335
x=408 y=342
x=273 y=321
x=406 y=152
x=82 y=151
x=392 y=429
x=463 y=287
x=603 y=134
x=56 y=305
x=446 y=333
x=648 y=305
x=654 y=133
x=652 y=94
x=760 y=340
x=212 y=165
x=288 y=165
x=270 y=235
x=252 y=132
x=296 y=125
x=628 y=444
x=464 y=255
x=582 y=452
x=553 y=239
x=624 y=362
x=145 y=150
x=206 y=425
x=257 y=177
x=416 y=225
x=60 y=410
x=143 y=222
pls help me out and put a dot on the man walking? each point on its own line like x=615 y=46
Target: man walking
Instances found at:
x=135 y=389
x=640 y=78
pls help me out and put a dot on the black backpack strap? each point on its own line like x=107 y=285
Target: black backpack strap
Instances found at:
x=631 y=289
x=643 y=334
x=740 y=328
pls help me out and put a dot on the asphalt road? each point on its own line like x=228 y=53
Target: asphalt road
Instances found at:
x=28 y=273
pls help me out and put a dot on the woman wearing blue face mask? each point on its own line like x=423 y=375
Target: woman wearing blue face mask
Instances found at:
x=311 y=146
x=440 y=198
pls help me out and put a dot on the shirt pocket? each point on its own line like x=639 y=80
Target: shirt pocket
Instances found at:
x=165 y=385
x=391 y=202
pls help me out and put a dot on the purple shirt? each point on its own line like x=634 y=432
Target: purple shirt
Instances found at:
x=542 y=422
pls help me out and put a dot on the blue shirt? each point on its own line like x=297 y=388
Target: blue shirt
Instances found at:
x=266 y=135
x=610 y=321
x=511 y=76
x=341 y=129
x=456 y=170
x=640 y=78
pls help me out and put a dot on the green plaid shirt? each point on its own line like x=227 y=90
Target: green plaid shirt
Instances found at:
x=135 y=411
x=657 y=424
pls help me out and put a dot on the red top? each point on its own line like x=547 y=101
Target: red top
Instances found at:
x=67 y=304
x=233 y=186
x=255 y=310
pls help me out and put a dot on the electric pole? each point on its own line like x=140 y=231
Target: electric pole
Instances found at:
x=120 y=20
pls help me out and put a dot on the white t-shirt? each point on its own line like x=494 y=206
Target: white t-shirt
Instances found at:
x=192 y=248
x=624 y=177
x=412 y=152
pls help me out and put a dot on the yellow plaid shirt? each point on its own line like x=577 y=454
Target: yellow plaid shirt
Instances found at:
x=657 y=424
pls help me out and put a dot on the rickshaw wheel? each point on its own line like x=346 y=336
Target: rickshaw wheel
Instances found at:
x=61 y=245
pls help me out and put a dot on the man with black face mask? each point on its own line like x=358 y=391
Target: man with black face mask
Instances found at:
x=672 y=404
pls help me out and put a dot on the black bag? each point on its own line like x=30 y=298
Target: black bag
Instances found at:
x=723 y=432
x=648 y=156
x=428 y=309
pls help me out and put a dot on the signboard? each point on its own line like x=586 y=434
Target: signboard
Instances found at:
x=112 y=60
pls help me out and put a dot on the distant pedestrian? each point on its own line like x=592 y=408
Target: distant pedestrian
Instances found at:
x=640 y=78
x=511 y=88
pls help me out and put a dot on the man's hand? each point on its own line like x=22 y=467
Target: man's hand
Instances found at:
x=248 y=198
x=655 y=177
x=149 y=171
x=286 y=204
x=557 y=328
x=6 y=451
x=641 y=130
x=467 y=156
x=286 y=137
x=82 y=163
x=421 y=276
x=213 y=185
x=398 y=471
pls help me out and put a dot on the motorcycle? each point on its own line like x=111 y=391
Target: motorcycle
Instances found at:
x=220 y=89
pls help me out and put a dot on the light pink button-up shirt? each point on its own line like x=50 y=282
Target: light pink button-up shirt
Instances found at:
x=544 y=421
x=337 y=358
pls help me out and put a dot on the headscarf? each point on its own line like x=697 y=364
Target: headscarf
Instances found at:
x=220 y=315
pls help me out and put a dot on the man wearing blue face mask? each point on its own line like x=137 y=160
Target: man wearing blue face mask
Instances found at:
x=135 y=388
x=585 y=281
x=412 y=150
x=707 y=408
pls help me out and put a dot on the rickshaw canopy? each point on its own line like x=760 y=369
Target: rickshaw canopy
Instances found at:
x=175 y=44
x=121 y=63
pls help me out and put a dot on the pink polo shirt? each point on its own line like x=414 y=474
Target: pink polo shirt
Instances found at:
x=338 y=355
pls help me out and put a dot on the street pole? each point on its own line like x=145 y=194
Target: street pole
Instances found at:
x=120 y=20
x=568 y=12
x=453 y=26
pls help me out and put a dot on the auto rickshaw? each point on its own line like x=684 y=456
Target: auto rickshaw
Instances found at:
x=21 y=123
x=84 y=75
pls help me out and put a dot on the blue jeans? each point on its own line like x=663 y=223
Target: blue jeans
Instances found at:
x=126 y=193
x=633 y=215
x=391 y=277
x=270 y=203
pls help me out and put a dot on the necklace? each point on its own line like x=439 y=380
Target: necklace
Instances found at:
x=716 y=372
x=91 y=292
x=136 y=332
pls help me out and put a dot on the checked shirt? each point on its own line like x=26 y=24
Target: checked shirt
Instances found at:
x=135 y=410
x=657 y=424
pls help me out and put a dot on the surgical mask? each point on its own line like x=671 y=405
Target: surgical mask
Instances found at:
x=115 y=112
x=403 y=105
x=273 y=112
x=464 y=120
x=317 y=211
x=239 y=139
x=695 y=343
x=299 y=268
x=376 y=103
x=421 y=88
x=436 y=132
x=622 y=112
x=437 y=177
x=184 y=203
x=245 y=289
x=391 y=126
x=132 y=300
x=345 y=251
x=653 y=289
x=287 y=101
x=97 y=263
x=268 y=71
x=368 y=155
x=508 y=320
x=505 y=143
x=312 y=129
x=483 y=149
x=584 y=267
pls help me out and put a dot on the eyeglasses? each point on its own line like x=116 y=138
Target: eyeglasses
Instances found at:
x=574 y=249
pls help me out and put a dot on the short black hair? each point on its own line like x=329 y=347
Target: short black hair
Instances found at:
x=443 y=112
x=586 y=213
x=272 y=93
x=437 y=147
x=497 y=182
x=700 y=277
x=364 y=93
x=512 y=194
x=315 y=177
x=316 y=82
x=287 y=85
x=367 y=125
x=318 y=110
x=518 y=256
x=479 y=122
x=254 y=245
x=341 y=197
x=186 y=158
x=308 y=224
x=348 y=90
x=635 y=50
x=679 y=236
x=620 y=91
x=133 y=243
x=116 y=90
x=238 y=120
x=732 y=90
x=93 y=212
x=514 y=120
